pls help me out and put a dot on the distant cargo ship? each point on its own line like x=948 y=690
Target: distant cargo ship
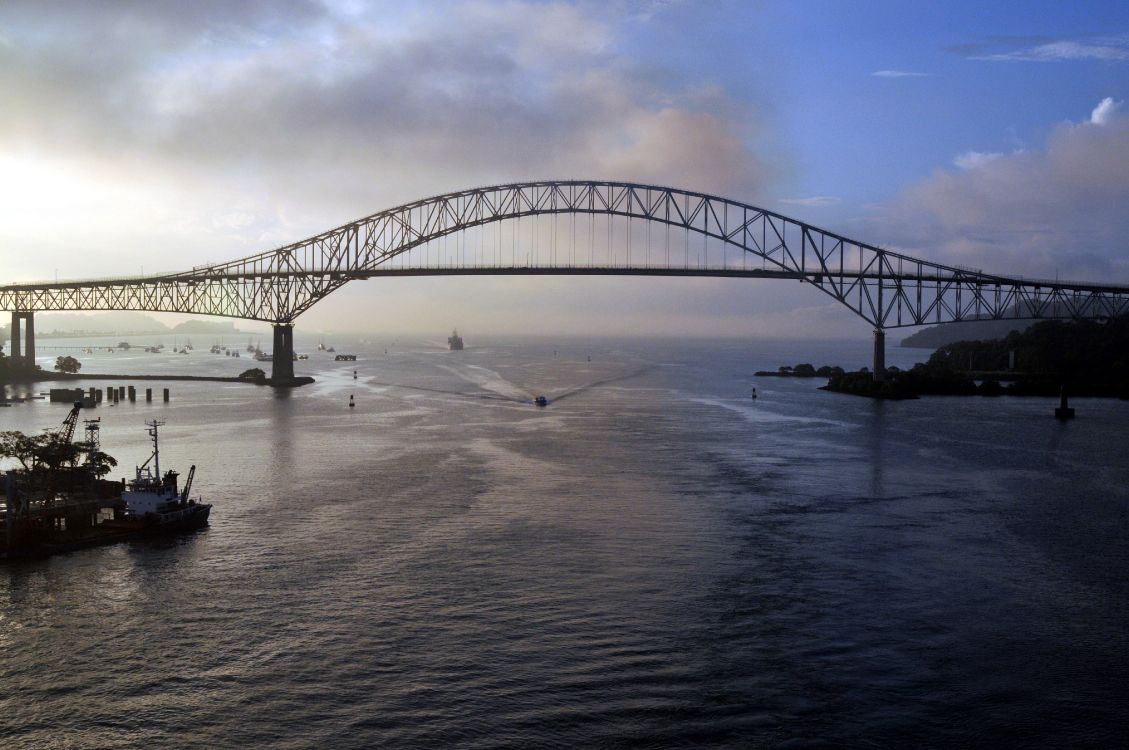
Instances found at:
x=455 y=341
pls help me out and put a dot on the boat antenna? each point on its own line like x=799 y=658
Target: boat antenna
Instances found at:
x=156 y=450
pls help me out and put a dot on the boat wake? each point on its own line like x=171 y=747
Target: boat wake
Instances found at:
x=489 y=380
x=597 y=383
x=444 y=391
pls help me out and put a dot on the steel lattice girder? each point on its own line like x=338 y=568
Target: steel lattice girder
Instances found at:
x=885 y=288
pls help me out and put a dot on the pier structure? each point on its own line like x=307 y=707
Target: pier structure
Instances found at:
x=22 y=350
x=282 y=363
x=577 y=228
x=879 y=355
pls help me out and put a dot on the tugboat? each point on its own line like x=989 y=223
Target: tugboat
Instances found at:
x=152 y=501
x=455 y=341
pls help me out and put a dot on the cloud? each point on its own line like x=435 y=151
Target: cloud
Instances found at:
x=313 y=108
x=975 y=159
x=304 y=95
x=813 y=201
x=1108 y=49
x=897 y=74
x=1056 y=210
x=1104 y=112
x=174 y=134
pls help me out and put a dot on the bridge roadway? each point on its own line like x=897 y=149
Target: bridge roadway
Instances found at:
x=719 y=238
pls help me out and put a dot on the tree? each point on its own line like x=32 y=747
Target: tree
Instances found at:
x=27 y=449
x=68 y=365
x=254 y=373
x=98 y=463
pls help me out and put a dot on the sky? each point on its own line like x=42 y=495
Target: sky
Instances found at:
x=141 y=136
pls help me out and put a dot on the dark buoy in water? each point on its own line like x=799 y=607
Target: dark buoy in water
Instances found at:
x=589 y=357
x=354 y=374
x=754 y=393
x=1063 y=412
x=351 y=404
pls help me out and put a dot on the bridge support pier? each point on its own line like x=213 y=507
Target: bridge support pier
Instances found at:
x=14 y=350
x=282 y=362
x=23 y=351
x=879 y=355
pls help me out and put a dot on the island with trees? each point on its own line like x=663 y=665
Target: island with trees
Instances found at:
x=1086 y=358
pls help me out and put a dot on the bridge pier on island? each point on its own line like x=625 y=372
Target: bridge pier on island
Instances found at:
x=879 y=372
x=282 y=357
x=23 y=352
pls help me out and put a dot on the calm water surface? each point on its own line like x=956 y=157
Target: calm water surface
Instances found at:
x=654 y=560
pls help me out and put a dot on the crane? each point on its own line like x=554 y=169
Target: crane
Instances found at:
x=66 y=432
x=188 y=483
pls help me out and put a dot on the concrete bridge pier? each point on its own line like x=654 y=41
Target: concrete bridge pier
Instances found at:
x=282 y=363
x=879 y=355
x=23 y=351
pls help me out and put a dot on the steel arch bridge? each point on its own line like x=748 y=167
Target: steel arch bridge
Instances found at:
x=886 y=288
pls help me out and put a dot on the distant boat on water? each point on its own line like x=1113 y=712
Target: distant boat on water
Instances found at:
x=455 y=341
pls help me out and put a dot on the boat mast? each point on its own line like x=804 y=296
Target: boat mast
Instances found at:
x=156 y=450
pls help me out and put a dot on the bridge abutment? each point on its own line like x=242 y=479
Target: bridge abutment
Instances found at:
x=879 y=355
x=282 y=362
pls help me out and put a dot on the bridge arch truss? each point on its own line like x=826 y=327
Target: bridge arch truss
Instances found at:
x=886 y=288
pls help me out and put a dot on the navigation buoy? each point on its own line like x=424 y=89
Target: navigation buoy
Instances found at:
x=754 y=393
x=351 y=404
x=354 y=374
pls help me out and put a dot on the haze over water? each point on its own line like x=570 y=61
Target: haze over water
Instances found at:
x=653 y=560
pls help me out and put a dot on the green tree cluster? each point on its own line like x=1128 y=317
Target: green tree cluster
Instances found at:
x=67 y=365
